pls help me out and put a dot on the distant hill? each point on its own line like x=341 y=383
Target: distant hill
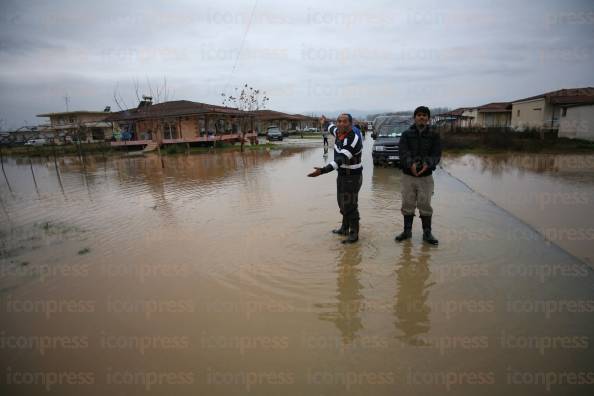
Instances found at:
x=434 y=110
x=370 y=116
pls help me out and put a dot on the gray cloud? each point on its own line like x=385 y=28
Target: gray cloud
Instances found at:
x=308 y=56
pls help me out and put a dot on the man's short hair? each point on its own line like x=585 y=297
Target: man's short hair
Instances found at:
x=422 y=109
x=348 y=116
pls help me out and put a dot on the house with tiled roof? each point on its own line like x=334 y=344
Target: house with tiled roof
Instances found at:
x=180 y=121
x=493 y=115
x=460 y=118
x=284 y=121
x=546 y=110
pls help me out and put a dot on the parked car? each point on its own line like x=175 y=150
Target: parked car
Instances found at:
x=386 y=145
x=36 y=142
x=274 y=134
x=310 y=129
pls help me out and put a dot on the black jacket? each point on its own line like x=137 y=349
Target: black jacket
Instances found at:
x=419 y=148
x=347 y=153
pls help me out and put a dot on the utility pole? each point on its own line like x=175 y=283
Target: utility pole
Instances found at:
x=67 y=100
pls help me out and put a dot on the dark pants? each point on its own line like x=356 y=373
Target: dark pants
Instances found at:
x=347 y=194
x=325 y=141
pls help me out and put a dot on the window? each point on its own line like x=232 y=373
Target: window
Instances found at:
x=169 y=130
x=201 y=127
x=212 y=126
x=97 y=134
x=564 y=112
x=220 y=126
x=518 y=113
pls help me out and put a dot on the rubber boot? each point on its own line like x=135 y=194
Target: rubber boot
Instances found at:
x=353 y=232
x=407 y=233
x=344 y=228
x=427 y=235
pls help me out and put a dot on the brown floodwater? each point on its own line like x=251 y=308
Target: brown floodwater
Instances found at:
x=552 y=193
x=218 y=275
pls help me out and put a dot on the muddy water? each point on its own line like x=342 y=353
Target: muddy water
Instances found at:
x=552 y=193
x=218 y=275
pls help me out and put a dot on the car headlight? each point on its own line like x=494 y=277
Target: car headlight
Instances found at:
x=378 y=148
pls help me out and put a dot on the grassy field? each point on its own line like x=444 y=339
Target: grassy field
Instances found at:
x=496 y=140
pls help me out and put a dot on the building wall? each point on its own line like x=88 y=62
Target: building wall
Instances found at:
x=146 y=128
x=493 y=119
x=285 y=125
x=578 y=123
x=528 y=115
x=189 y=127
x=472 y=121
x=553 y=112
x=68 y=124
x=91 y=117
x=479 y=120
x=76 y=119
x=263 y=125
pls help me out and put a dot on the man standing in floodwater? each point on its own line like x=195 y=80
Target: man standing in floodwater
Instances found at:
x=420 y=152
x=348 y=147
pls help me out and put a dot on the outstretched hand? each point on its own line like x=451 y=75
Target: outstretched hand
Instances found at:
x=322 y=120
x=316 y=173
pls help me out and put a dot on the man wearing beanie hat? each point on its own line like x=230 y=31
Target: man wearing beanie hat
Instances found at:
x=420 y=152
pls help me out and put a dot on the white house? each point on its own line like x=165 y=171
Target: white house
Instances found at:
x=90 y=125
x=493 y=115
x=577 y=121
x=545 y=110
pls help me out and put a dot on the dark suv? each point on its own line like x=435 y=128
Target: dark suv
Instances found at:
x=387 y=140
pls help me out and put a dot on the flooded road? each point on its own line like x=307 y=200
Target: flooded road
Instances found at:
x=219 y=275
x=552 y=193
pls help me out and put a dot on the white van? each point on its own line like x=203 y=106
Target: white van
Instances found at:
x=36 y=142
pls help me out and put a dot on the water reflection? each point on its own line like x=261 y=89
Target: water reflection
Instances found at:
x=549 y=192
x=346 y=313
x=550 y=164
x=411 y=310
x=245 y=238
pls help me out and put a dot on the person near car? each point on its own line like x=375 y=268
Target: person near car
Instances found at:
x=325 y=136
x=359 y=131
x=348 y=147
x=420 y=152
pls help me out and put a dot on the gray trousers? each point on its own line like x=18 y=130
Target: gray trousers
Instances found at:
x=416 y=193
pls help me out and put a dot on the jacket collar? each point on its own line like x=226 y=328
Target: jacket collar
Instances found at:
x=346 y=135
x=414 y=129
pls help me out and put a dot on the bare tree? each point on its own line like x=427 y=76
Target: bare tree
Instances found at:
x=145 y=94
x=159 y=94
x=248 y=99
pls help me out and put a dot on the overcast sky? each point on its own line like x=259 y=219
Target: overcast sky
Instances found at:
x=310 y=56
